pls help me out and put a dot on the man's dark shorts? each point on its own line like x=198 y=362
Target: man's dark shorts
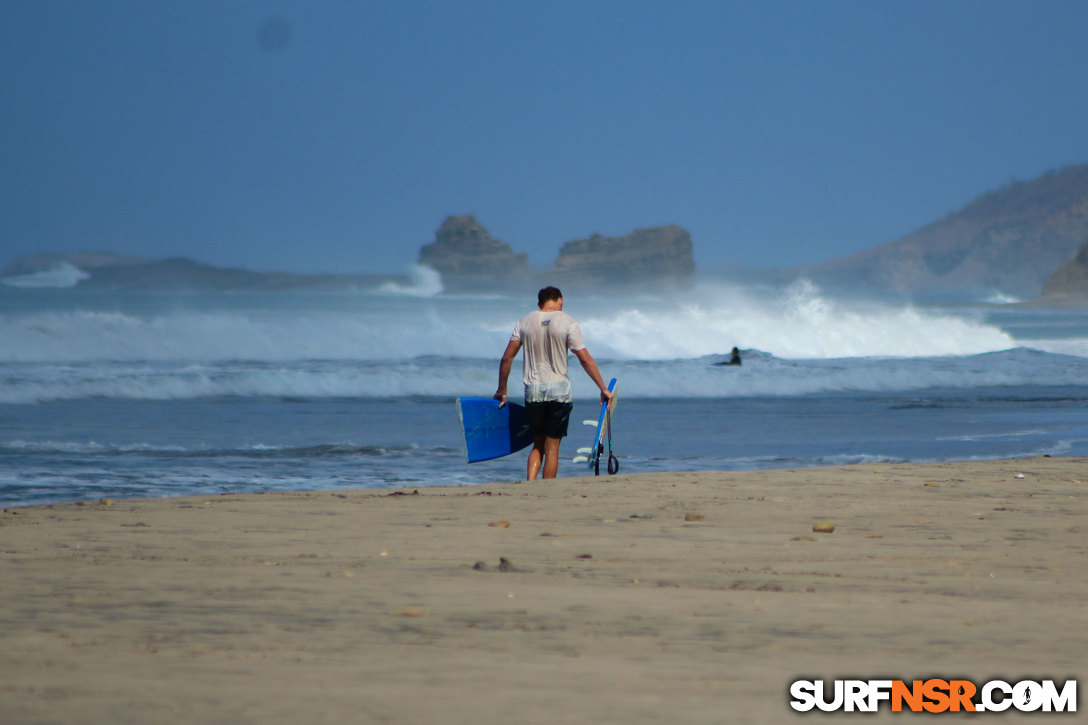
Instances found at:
x=548 y=418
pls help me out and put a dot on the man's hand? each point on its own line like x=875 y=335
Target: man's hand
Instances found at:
x=594 y=373
x=505 y=364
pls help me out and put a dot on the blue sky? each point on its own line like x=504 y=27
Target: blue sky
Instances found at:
x=337 y=135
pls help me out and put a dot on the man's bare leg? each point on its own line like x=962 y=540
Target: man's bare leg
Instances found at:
x=545 y=453
x=551 y=457
x=536 y=458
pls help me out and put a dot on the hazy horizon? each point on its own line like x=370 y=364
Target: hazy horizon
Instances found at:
x=336 y=137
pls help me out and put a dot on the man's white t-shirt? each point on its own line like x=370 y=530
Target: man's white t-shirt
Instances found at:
x=545 y=339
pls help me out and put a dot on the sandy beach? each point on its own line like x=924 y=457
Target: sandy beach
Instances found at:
x=672 y=598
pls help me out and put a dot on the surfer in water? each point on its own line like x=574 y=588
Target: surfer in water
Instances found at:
x=547 y=335
x=734 y=360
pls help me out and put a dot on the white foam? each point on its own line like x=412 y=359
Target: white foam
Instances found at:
x=60 y=275
x=1000 y=298
x=799 y=323
x=423 y=282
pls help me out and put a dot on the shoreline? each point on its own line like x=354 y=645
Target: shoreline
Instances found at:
x=687 y=597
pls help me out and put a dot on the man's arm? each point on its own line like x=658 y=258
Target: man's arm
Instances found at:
x=505 y=364
x=590 y=366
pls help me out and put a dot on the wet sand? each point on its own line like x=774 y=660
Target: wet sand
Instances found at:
x=665 y=598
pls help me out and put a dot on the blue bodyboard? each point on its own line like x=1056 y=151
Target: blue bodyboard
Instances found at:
x=491 y=431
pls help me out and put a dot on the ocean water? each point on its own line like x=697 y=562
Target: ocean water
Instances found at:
x=120 y=394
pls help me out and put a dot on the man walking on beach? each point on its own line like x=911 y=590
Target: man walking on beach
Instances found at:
x=547 y=334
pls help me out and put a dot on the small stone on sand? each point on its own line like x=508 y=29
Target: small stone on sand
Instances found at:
x=824 y=527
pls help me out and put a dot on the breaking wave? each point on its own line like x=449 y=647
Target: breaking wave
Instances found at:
x=408 y=322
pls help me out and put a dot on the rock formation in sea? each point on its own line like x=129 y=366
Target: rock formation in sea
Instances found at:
x=1014 y=241
x=657 y=255
x=469 y=258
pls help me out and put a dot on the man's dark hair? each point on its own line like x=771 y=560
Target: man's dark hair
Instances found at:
x=547 y=294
